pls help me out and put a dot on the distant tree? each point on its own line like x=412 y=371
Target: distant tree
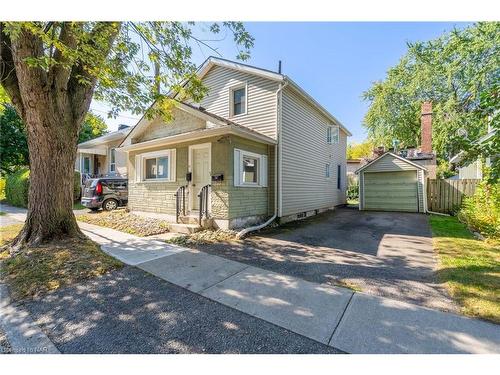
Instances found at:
x=93 y=126
x=474 y=149
x=14 y=152
x=359 y=150
x=452 y=71
x=13 y=143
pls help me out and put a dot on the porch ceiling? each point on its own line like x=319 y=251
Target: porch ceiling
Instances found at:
x=96 y=150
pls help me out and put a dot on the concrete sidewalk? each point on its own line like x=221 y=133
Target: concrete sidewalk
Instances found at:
x=351 y=322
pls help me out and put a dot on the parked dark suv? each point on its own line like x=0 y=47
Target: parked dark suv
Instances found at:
x=107 y=193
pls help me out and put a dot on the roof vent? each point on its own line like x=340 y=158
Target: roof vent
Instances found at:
x=123 y=126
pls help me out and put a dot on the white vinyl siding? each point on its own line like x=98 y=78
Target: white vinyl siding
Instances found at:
x=261 y=105
x=304 y=156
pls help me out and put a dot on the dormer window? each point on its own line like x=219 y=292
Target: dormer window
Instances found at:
x=238 y=100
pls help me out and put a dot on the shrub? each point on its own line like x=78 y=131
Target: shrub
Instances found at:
x=353 y=192
x=2 y=188
x=481 y=212
x=77 y=180
x=17 y=186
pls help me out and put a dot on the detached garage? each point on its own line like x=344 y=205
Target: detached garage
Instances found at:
x=392 y=183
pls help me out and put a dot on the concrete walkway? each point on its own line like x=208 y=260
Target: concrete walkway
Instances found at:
x=351 y=322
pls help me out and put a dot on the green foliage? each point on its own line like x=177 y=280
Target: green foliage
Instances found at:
x=481 y=212
x=120 y=58
x=93 y=126
x=2 y=188
x=353 y=192
x=77 y=188
x=474 y=149
x=13 y=142
x=16 y=188
x=444 y=169
x=452 y=71
x=359 y=150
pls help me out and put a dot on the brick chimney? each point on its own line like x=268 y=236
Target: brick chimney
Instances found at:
x=426 y=125
x=378 y=151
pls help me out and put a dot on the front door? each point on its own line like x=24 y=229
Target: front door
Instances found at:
x=200 y=168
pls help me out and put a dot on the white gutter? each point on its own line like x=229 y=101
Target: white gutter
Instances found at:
x=277 y=171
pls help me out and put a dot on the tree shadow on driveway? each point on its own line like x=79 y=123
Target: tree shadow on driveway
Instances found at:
x=383 y=253
x=131 y=311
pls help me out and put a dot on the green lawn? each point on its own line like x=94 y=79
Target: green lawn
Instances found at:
x=78 y=206
x=51 y=265
x=469 y=267
x=2 y=213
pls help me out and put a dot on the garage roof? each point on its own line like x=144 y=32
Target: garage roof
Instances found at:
x=393 y=155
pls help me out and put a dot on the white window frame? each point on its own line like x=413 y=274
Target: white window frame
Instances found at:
x=140 y=162
x=328 y=171
x=83 y=164
x=232 y=89
x=335 y=135
x=262 y=169
x=112 y=165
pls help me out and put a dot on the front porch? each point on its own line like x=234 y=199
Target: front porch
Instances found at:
x=220 y=182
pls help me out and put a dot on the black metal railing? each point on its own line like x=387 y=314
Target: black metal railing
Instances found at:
x=203 y=197
x=180 y=202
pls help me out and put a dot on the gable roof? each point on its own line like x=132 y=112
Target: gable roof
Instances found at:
x=393 y=155
x=201 y=113
x=108 y=137
x=278 y=77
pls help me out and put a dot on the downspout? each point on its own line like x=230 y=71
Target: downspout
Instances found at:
x=277 y=154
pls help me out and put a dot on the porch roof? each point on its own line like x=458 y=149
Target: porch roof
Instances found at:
x=94 y=150
x=200 y=134
x=216 y=125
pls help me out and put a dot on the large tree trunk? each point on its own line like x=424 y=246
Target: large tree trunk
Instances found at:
x=52 y=122
x=52 y=143
x=52 y=102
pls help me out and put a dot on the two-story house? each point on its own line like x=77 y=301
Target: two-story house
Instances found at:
x=257 y=147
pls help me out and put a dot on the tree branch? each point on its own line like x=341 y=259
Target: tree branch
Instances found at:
x=60 y=72
x=82 y=82
x=8 y=77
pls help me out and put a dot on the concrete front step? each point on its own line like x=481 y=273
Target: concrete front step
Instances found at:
x=184 y=228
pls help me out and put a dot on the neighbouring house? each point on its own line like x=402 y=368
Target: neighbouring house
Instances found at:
x=396 y=181
x=256 y=147
x=352 y=166
x=101 y=156
x=474 y=170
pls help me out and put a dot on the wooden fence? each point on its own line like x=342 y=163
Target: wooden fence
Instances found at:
x=446 y=195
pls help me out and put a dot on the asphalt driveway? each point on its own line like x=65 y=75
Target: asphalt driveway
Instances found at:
x=388 y=254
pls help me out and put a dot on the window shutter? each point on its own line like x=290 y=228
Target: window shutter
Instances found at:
x=237 y=167
x=263 y=171
x=173 y=164
x=138 y=169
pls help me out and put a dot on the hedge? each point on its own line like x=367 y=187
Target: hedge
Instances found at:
x=2 y=188
x=17 y=186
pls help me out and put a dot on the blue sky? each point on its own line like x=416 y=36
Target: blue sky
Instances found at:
x=334 y=62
